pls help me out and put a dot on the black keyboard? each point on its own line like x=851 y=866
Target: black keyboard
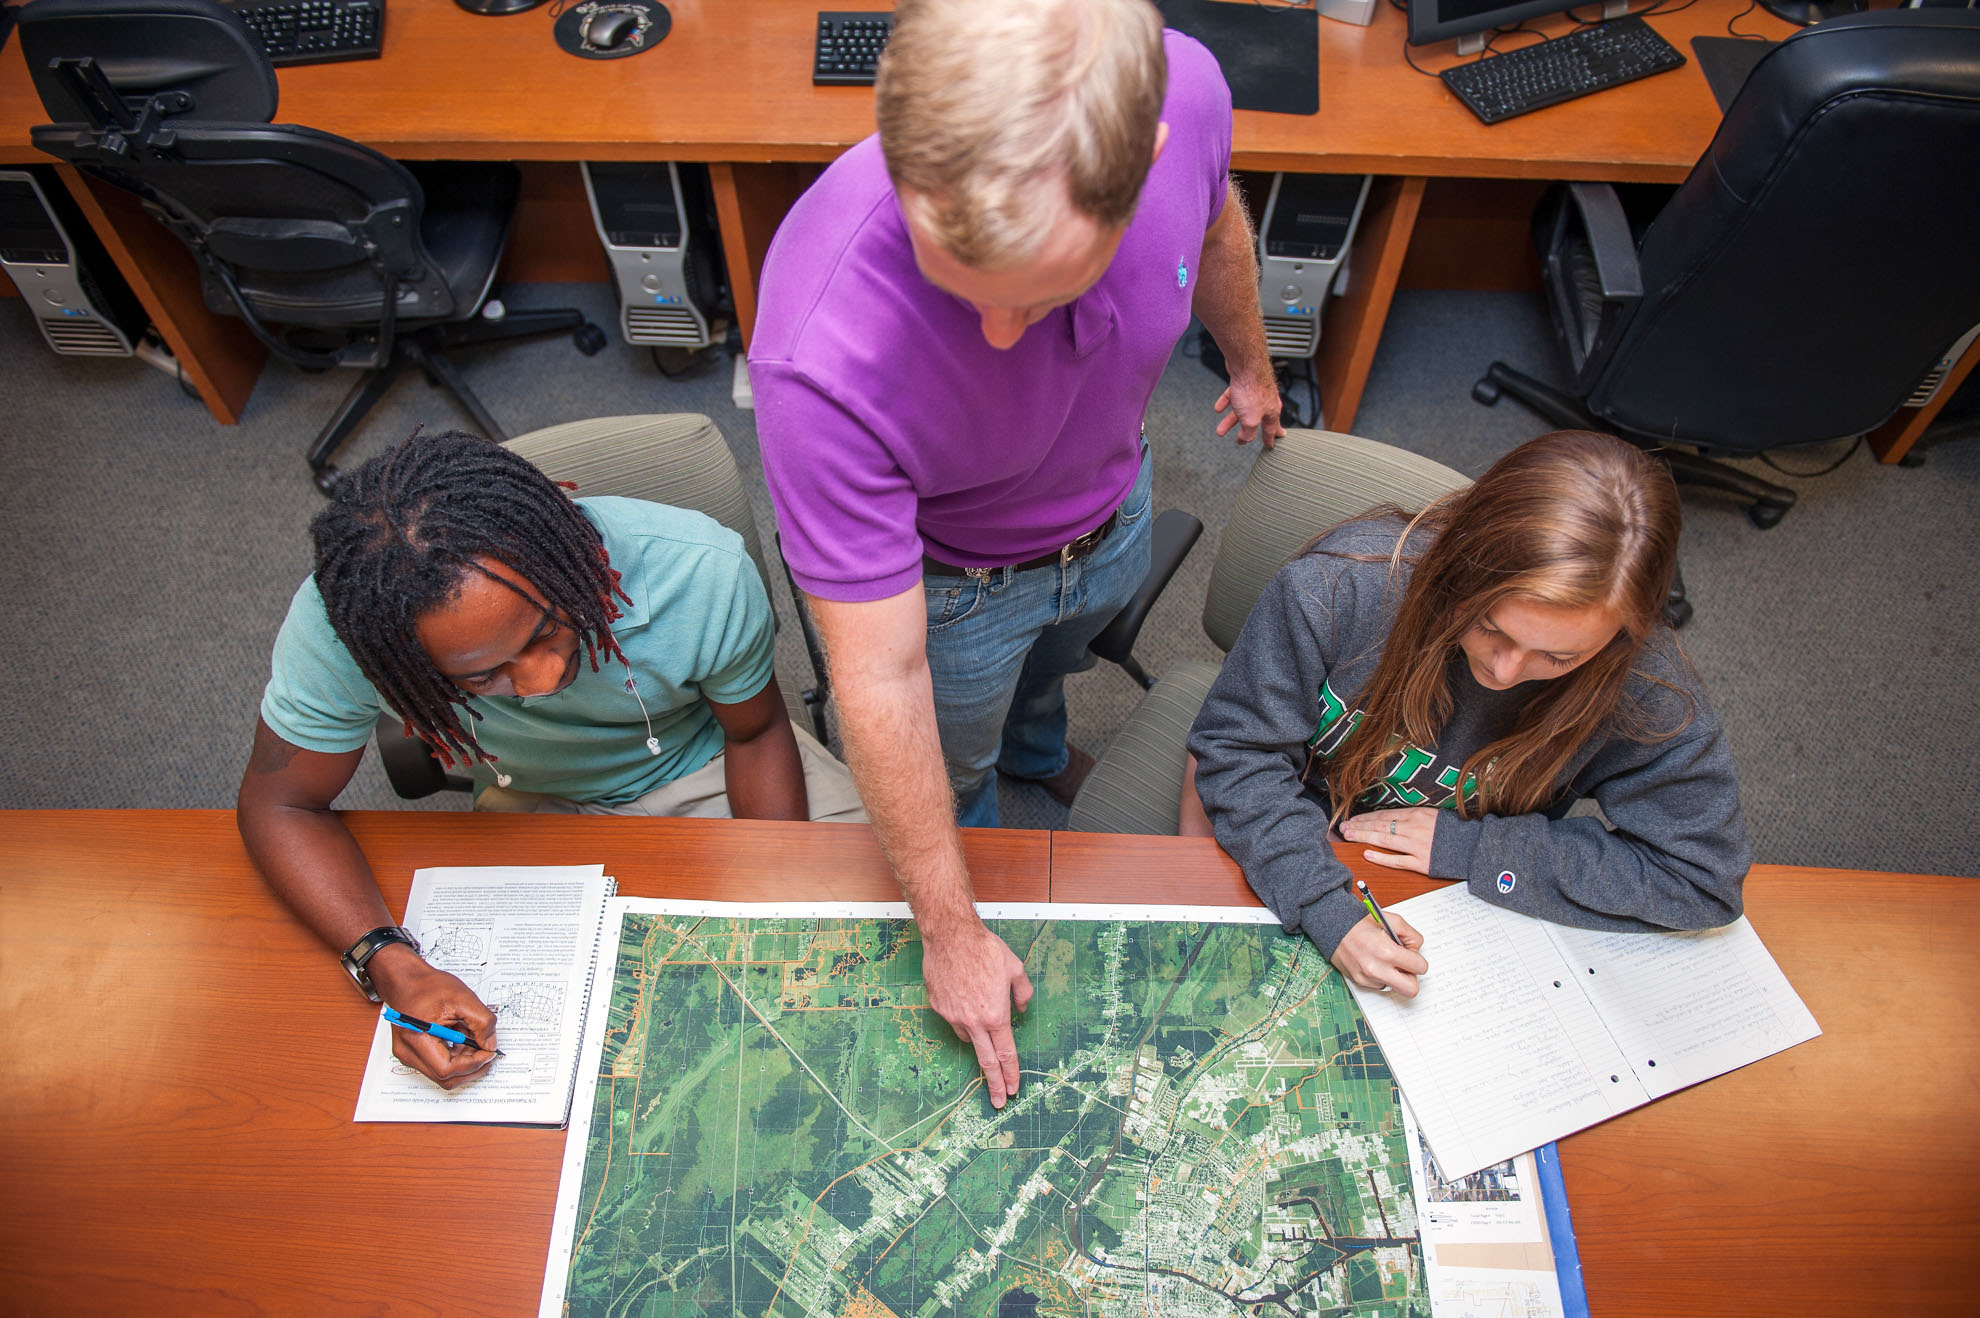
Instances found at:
x=1590 y=59
x=315 y=31
x=847 y=51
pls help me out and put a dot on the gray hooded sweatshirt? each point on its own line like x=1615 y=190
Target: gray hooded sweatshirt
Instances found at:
x=1674 y=855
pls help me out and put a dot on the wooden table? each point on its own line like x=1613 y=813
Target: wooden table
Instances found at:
x=730 y=86
x=1839 y=1177
x=183 y=1060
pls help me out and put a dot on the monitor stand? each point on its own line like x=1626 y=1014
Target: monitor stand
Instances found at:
x=1473 y=42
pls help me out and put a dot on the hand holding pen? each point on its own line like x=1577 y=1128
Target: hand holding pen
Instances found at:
x=441 y=1032
x=1380 y=952
x=437 y=1001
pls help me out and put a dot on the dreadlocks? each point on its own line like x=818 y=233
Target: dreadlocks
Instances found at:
x=403 y=529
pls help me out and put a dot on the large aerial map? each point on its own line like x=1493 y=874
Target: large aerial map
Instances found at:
x=781 y=1127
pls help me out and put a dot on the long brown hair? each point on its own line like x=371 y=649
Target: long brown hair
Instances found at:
x=1572 y=519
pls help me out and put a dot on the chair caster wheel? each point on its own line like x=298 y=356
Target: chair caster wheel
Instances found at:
x=1765 y=515
x=325 y=479
x=1485 y=391
x=590 y=340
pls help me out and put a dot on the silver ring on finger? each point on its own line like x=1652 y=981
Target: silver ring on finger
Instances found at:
x=1392 y=828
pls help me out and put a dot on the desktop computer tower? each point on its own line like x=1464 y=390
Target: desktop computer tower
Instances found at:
x=1303 y=242
x=655 y=223
x=80 y=301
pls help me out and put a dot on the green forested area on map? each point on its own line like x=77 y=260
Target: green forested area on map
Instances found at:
x=782 y=1127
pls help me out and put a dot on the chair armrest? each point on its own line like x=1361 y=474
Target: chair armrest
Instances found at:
x=1174 y=535
x=1593 y=282
x=1609 y=236
x=410 y=765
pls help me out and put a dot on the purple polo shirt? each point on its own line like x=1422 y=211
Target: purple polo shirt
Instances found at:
x=890 y=428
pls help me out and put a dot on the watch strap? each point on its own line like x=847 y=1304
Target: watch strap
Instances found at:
x=359 y=956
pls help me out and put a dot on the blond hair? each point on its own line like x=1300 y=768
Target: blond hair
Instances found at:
x=983 y=102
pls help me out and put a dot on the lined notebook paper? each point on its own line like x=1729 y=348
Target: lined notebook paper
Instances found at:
x=525 y=939
x=1526 y=1031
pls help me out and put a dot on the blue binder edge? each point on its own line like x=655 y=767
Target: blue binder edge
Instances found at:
x=1560 y=1231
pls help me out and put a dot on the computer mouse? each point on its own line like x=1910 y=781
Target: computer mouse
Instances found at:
x=608 y=29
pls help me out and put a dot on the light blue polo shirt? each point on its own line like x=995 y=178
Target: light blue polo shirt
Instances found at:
x=698 y=628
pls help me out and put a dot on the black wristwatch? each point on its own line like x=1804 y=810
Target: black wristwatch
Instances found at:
x=367 y=947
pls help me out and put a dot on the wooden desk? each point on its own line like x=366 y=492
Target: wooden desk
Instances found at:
x=731 y=86
x=183 y=1060
x=1839 y=1177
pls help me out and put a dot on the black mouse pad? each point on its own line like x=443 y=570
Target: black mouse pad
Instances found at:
x=651 y=23
x=1270 y=56
x=1725 y=62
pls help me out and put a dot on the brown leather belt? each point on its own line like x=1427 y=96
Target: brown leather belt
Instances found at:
x=1066 y=553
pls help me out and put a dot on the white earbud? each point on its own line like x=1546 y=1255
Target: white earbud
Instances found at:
x=502 y=779
x=652 y=742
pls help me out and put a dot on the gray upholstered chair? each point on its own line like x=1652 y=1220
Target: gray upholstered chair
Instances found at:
x=1308 y=482
x=679 y=459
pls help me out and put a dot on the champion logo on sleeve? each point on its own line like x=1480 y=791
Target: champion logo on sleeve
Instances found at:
x=1507 y=880
x=1182 y=273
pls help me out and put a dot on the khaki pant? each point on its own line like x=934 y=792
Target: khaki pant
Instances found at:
x=703 y=794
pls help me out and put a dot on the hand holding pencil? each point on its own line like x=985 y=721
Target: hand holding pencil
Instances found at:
x=1380 y=952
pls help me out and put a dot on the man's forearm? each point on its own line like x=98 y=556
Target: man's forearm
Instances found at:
x=895 y=753
x=1226 y=299
x=879 y=664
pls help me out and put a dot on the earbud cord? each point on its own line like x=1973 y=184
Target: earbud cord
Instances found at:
x=652 y=742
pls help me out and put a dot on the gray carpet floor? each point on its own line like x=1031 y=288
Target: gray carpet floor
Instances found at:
x=147 y=554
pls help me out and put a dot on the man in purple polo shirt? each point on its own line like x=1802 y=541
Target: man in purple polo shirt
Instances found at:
x=960 y=328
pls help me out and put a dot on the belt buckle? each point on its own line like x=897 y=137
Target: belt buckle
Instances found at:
x=1080 y=547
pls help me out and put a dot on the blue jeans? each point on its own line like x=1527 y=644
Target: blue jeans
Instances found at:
x=999 y=650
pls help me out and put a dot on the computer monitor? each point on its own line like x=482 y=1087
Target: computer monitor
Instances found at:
x=1471 y=20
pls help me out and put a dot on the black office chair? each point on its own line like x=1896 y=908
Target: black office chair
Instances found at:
x=1818 y=262
x=332 y=254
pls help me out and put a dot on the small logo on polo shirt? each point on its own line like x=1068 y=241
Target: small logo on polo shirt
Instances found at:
x=1182 y=273
x=1507 y=880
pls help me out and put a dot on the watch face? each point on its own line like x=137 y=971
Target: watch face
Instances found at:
x=365 y=948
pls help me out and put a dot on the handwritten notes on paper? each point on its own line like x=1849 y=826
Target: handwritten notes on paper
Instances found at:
x=1525 y=1031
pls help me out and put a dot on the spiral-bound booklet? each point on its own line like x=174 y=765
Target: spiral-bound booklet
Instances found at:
x=525 y=939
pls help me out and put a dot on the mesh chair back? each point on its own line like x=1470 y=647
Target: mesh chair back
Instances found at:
x=1311 y=480
x=679 y=459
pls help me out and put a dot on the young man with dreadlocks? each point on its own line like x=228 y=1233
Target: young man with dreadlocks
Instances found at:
x=601 y=655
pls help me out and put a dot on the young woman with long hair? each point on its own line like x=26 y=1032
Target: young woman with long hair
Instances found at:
x=1442 y=687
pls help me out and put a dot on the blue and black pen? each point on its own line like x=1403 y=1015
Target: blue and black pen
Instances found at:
x=444 y=1033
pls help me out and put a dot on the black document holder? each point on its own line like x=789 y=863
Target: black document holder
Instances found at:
x=1725 y=62
x=1270 y=56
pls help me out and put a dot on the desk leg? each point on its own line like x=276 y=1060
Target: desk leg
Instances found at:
x=1892 y=440
x=217 y=353
x=1353 y=326
x=750 y=202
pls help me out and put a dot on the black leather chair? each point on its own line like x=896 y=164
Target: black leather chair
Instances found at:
x=1799 y=285
x=332 y=254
